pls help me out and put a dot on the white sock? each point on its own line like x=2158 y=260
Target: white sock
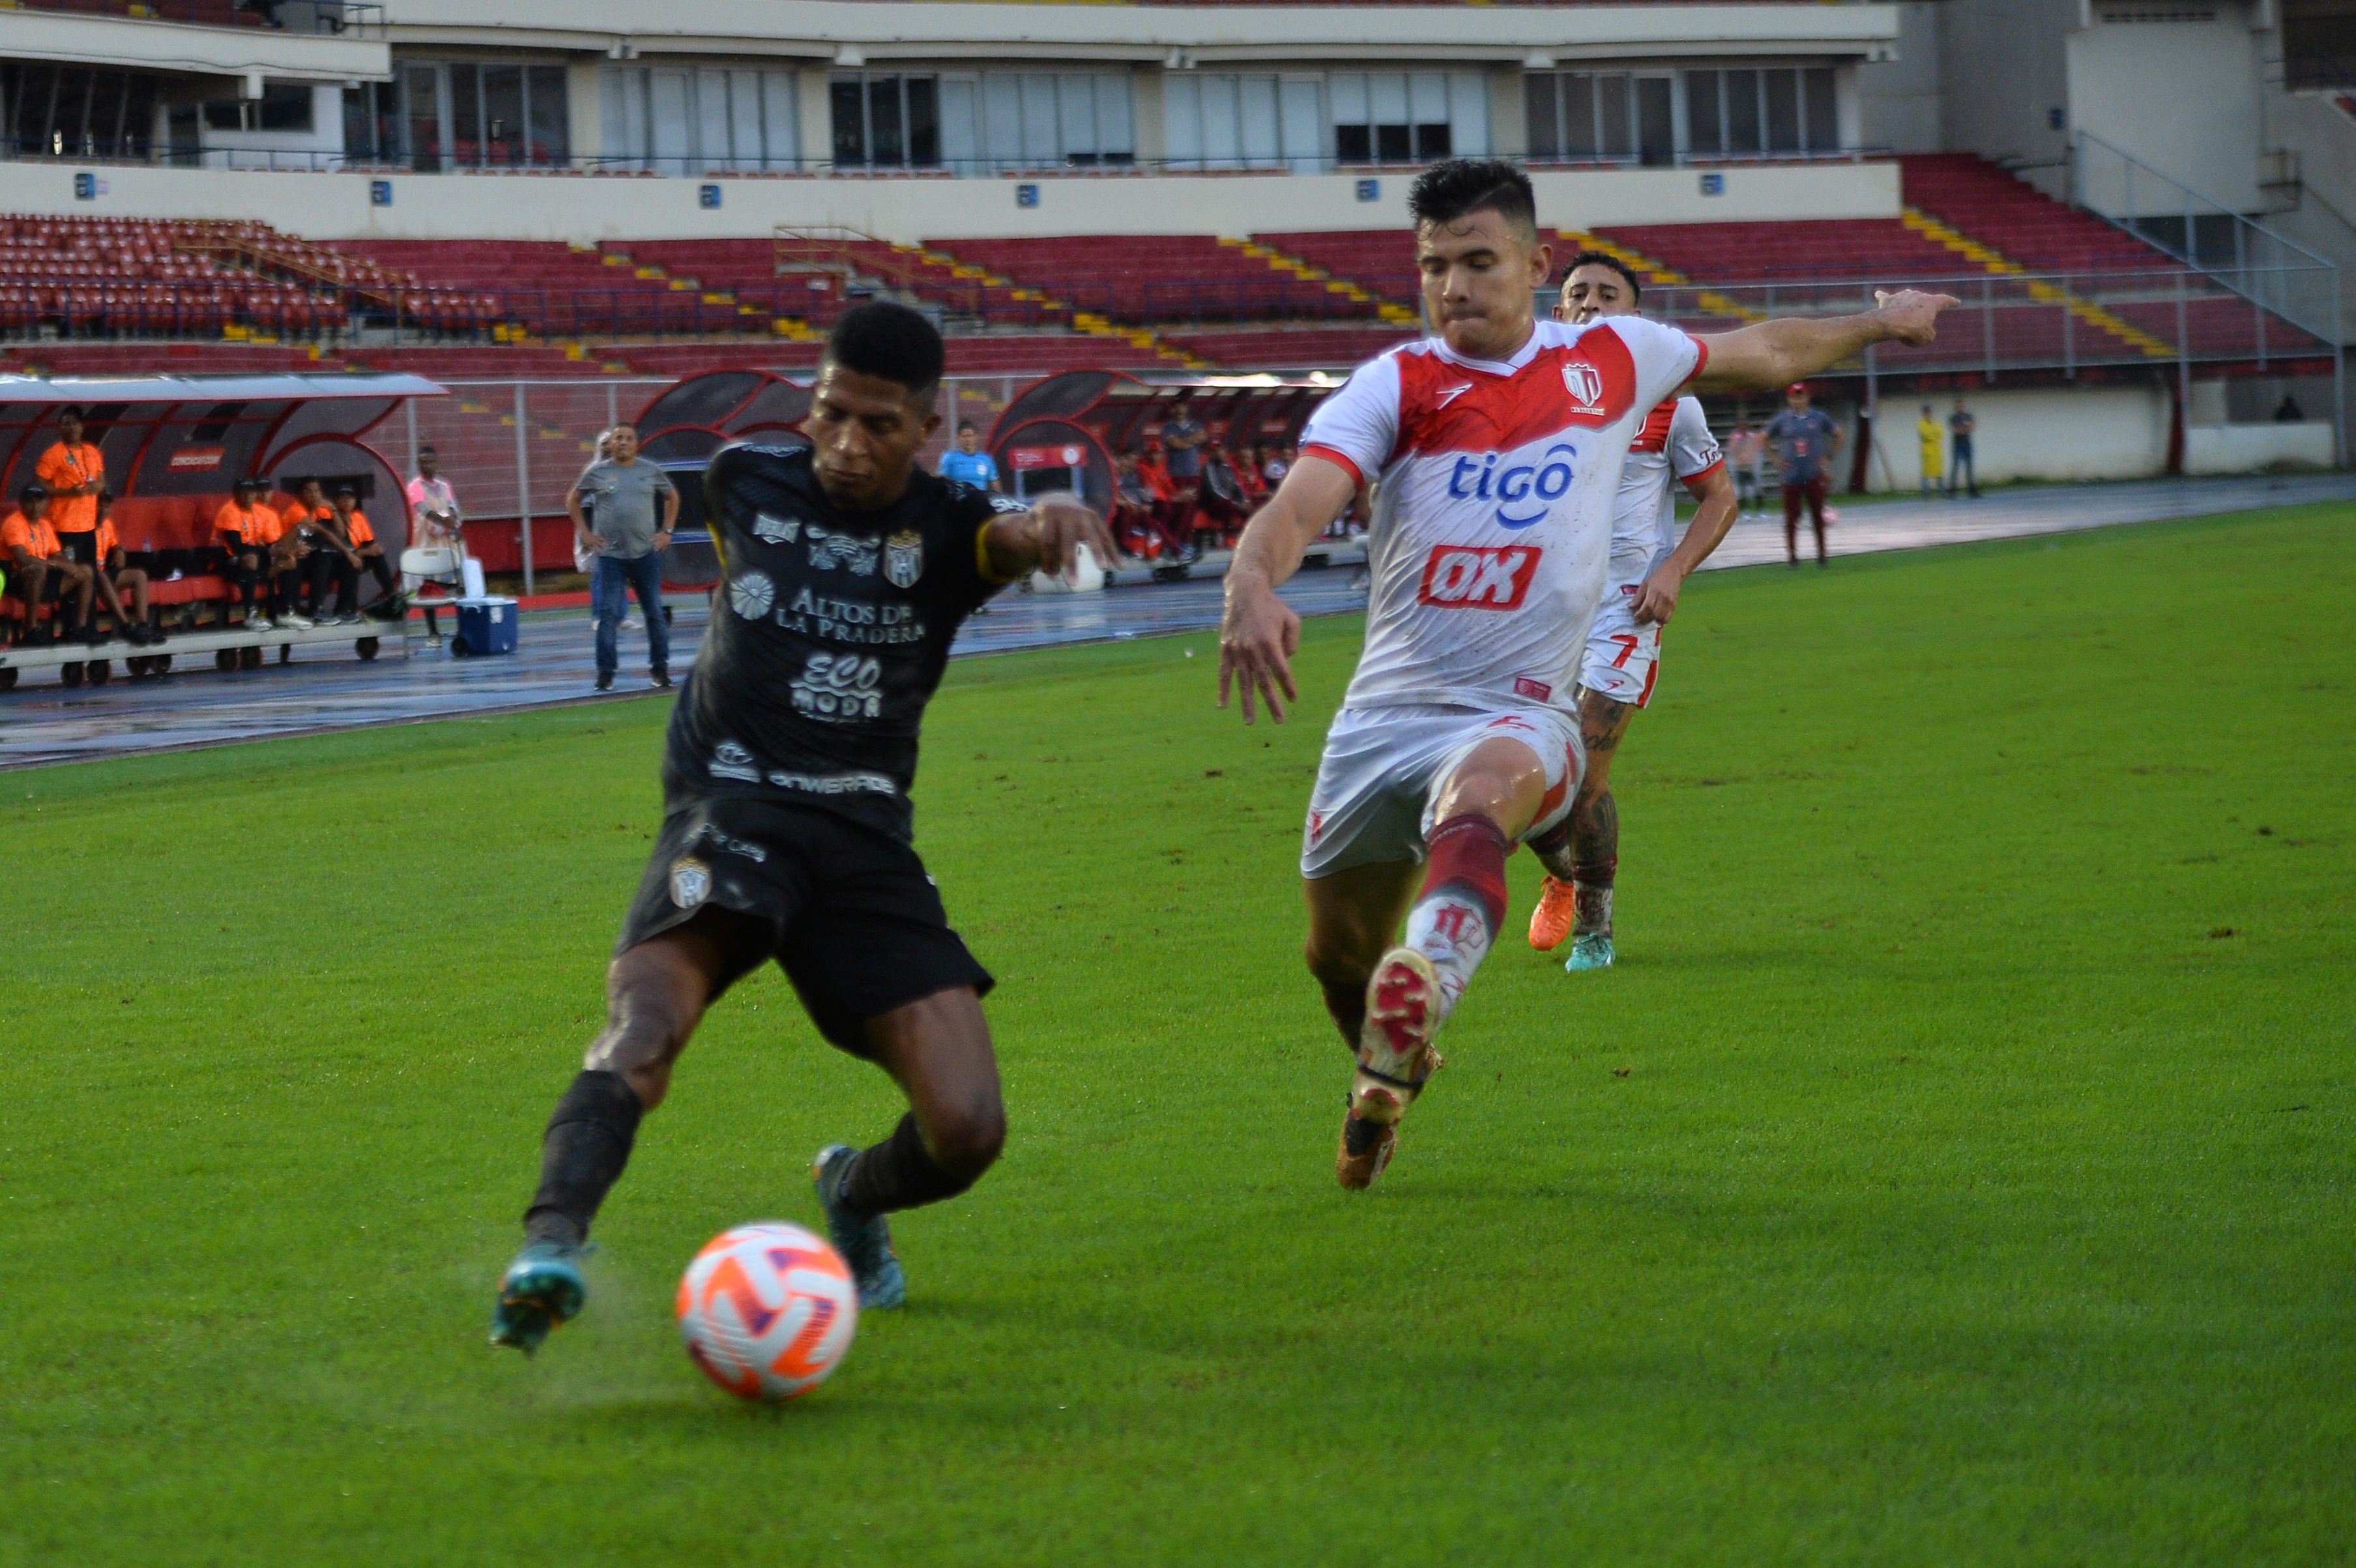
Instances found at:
x=1450 y=929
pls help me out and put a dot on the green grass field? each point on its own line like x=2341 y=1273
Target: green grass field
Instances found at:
x=1956 y=1169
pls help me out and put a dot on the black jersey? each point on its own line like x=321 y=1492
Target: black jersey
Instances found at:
x=827 y=637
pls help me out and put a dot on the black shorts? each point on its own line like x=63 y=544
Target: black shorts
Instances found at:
x=82 y=546
x=854 y=921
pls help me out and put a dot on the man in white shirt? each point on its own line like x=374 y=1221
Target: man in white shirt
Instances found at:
x=434 y=515
x=1499 y=444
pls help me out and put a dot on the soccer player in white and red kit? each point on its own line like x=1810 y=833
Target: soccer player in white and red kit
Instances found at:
x=1649 y=565
x=1496 y=451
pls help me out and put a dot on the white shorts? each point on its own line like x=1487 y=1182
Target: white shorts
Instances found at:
x=1383 y=766
x=1622 y=658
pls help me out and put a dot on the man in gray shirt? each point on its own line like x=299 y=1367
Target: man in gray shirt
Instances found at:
x=1804 y=438
x=636 y=507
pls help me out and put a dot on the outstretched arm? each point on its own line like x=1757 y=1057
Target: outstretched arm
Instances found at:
x=1047 y=539
x=1258 y=634
x=1776 y=353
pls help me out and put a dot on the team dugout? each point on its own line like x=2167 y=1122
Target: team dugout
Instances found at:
x=170 y=449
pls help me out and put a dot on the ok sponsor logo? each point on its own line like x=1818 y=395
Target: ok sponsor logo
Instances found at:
x=1523 y=491
x=1478 y=576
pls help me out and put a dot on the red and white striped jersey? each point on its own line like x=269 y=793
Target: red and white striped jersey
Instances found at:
x=1494 y=503
x=1674 y=445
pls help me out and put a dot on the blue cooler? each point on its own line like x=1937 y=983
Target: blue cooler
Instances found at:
x=486 y=625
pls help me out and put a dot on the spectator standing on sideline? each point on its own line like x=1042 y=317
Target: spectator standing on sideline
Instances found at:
x=1960 y=424
x=636 y=508
x=75 y=473
x=968 y=464
x=1747 y=453
x=1927 y=436
x=1181 y=444
x=1804 y=438
x=433 y=514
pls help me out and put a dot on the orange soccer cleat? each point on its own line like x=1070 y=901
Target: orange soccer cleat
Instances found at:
x=1551 y=920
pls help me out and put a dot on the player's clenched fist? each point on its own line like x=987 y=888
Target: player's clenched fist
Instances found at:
x=1258 y=635
x=1060 y=525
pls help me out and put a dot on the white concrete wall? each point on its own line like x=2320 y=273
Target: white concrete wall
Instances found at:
x=2182 y=96
x=582 y=208
x=2256 y=448
x=2034 y=433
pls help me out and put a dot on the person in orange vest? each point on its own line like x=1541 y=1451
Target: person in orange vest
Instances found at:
x=74 y=472
x=310 y=529
x=42 y=571
x=363 y=553
x=248 y=532
x=117 y=580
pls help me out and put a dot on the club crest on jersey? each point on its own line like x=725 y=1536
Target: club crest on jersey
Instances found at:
x=1478 y=576
x=751 y=595
x=777 y=530
x=1585 y=384
x=731 y=760
x=903 y=558
x=690 y=882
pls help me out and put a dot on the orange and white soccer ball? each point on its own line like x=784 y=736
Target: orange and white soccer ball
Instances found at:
x=767 y=1310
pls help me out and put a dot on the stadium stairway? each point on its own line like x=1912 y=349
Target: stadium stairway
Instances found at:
x=1294 y=266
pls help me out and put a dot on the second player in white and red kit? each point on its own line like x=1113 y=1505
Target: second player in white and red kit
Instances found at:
x=1495 y=450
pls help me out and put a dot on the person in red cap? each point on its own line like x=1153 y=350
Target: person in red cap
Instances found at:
x=1804 y=439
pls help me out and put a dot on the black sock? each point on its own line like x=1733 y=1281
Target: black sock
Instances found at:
x=587 y=1145
x=898 y=1173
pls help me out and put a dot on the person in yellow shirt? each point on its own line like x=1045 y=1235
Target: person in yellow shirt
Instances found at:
x=74 y=472
x=41 y=571
x=1932 y=440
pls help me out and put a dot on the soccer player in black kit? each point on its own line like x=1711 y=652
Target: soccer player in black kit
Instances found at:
x=786 y=822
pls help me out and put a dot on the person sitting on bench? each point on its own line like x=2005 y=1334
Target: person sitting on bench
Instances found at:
x=119 y=581
x=248 y=532
x=309 y=532
x=42 y=572
x=368 y=556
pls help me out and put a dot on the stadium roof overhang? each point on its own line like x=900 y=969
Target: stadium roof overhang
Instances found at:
x=1175 y=36
x=243 y=55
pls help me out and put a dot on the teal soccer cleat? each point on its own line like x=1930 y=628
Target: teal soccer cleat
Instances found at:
x=542 y=1290
x=863 y=1239
x=1592 y=950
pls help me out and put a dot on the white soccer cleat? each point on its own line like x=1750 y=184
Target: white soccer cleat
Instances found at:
x=1395 y=1057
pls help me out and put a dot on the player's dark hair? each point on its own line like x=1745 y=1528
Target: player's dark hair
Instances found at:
x=73 y=408
x=1458 y=187
x=966 y=424
x=36 y=491
x=890 y=342
x=1605 y=258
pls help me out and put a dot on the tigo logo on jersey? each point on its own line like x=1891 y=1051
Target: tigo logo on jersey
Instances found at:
x=1478 y=576
x=1523 y=491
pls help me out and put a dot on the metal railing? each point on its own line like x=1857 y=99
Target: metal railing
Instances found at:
x=510 y=447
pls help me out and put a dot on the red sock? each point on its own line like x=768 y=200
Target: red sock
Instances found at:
x=1470 y=852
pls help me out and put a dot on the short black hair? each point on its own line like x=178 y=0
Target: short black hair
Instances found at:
x=966 y=424
x=1458 y=187
x=429 y=446
x=1605 y=258
x=73 y=408
x=890 y=342
x=36 y=491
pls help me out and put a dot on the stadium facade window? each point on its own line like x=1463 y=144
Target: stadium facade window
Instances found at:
x=999 y=120
x=1305 y=122
x=684 y=120
x=74 y=111
x=460 y=114
x=885 y=120
x=1600 y=116
x=1775 y=112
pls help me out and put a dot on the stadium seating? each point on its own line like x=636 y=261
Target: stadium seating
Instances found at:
x=2018 y=221
x=1380 y=261
x=1292 y=348
x=1158 y=278
x=1843 y=247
